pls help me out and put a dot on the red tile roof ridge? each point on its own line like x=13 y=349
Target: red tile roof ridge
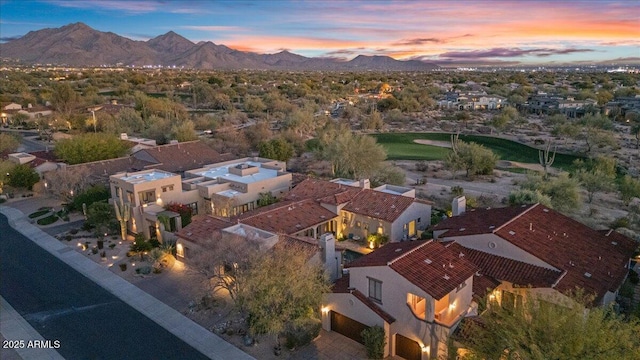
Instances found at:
x=409 y=252
x=528 y=208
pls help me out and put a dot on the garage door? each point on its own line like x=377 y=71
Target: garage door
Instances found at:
x=347 y=326
x=407 y=348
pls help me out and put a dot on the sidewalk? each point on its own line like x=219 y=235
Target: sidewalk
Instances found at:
x=193 y=334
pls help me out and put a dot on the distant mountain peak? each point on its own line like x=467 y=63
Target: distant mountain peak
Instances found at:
x=77 y=44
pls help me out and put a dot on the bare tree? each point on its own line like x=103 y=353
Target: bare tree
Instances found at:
x=224 y=260
x=63 y=183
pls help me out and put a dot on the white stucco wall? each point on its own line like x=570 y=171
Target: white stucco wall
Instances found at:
x=493 y=244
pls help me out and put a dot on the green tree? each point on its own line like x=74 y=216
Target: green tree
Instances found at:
x=184 y=131
x=90 y=147
x=596 y=175
x=64 y=98
x=23 y=176
x=391 y=175
x=100 y=215
x=277 y=149
x=546 y=328
x=526 y=196
x=8 y=143
x=629 y=188
x=472 y=157
x=271 y=302
x=562 y=190
x=351 y=155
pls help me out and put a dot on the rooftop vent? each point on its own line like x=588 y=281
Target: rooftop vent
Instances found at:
x=446 y=277
x=587 y=274
x=428 y=261
x=614 y=243
x=492 y=226
x=512 y=232
x=545 y=210
x=462 y=229
x=461 y=255
x=398 y=249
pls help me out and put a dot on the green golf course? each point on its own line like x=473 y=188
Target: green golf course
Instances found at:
x=401 y=146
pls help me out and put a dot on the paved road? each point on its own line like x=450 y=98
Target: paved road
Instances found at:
x=61 y=304
x=58 y=229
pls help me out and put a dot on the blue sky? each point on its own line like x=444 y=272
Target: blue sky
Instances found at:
x=500 y=31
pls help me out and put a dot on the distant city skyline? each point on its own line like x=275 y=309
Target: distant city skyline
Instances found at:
x=496 y=32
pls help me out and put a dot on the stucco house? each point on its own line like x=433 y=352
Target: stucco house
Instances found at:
x=388 y=210
x=147 y=192
x=418 y=291
x=534 y=250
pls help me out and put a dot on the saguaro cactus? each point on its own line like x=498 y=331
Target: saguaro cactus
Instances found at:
x=546 y=158
x=123 y=214
x=455 y=140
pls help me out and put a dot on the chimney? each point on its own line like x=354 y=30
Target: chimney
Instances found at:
x=458 y=205
x=329 y=259
x=365 y=184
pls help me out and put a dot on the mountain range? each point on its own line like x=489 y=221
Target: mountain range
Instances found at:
x=80 y=45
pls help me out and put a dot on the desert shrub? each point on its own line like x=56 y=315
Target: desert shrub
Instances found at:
x=457 y=190
x=89 y=196
x=301 y=332
x=145 y=270
x=374 y=340
x=622 y=222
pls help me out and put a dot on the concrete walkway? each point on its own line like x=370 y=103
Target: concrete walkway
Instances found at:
x=193 y=334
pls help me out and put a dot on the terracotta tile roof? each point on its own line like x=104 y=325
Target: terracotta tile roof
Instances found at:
x=202 y=227
x=482 y=284
x=322 y=191
x=288 y=217
x=373 y=306
x=479 y=221
x=181 y=156
x=385 y=254
x=592 y=260
x=341 y=286
x=308 y=244
x=378 y=205
x=427 y=264
x=501 y=268
x=101 y=170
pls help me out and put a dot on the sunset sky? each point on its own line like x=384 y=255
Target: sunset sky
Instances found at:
x=483 y=32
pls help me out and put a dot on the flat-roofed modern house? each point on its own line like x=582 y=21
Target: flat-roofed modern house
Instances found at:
x=233 y=187
x=147 y=193
x=235 y=184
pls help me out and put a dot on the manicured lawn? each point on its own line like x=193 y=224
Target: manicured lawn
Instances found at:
x=39 y=213
x=400 y=146
x=48 y=220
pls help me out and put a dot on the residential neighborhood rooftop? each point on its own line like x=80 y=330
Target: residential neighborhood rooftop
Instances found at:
x=596 y=261
x=223 y=172
x=144 y=176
